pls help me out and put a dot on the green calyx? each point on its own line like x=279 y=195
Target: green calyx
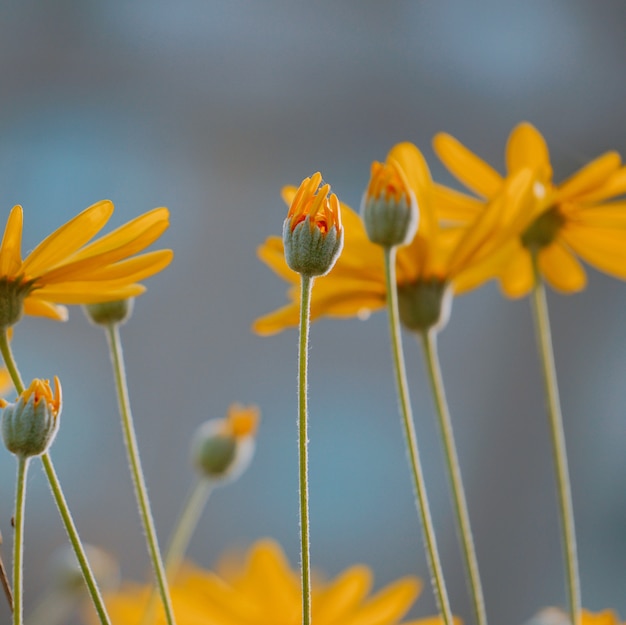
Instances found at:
x=424 y=304
x=12 y=296
x=388 y=222
x=543 y=230
x=108 y=313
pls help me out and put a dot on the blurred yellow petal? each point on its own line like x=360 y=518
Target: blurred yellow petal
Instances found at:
x=88 y=292
x=454 y=206
x=609 y=215
x=10 y=251
x=526 y=148
x=472 y=171
x=64 y=241
x=516 y=279
x=613 y=186
x=130 y=270
x=41 y=308
x=590 y=177
x=343 y=595
x=560 y=269
x=272 y=253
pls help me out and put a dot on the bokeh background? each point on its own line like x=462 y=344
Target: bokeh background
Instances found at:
x=209 y=108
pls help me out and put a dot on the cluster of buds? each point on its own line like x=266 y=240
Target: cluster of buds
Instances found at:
x=30 y=424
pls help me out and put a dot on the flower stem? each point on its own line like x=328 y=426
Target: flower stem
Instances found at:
x=187 y=523
x=134 y=462
x=430 y=542
x=305 y=305
x=4 y=581
x=568 y=538
x=429 y=340
x=18 y=539
x=57 y=493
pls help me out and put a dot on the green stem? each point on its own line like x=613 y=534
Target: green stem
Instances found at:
x=185 y=526
x=4 y=581
x=55 y=487
x=18 y=544
x=542 y=328
x=432 y=554
x=429 y=340
x=139 y=483
x=305 y=305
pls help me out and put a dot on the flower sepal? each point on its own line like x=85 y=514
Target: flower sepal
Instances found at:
x=425 y=305
x=30 y=425
x=109 y=313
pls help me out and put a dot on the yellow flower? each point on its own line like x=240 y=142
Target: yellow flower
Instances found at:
x=64 y=269
x=567 y=220
x=556 y=616
x=437 y=256
x=266 y=591
x=312 y=232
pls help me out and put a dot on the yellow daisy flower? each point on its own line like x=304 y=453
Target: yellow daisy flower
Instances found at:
x=568 y=220
x=64 y=269
x=437 y=256
x=266 y=591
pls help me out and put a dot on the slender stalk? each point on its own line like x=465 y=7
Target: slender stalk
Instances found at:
x=430 y=542
x=185 y=526
x=429 y=340
x=568 y=536
x=4 y=581
x=305 y=305
x=18 y=539
x=134 y=462
x=57 y=493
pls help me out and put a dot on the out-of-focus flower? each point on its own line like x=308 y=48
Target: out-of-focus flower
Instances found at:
x=568 y=220
x=437 y=257
x=64 y=269
x=223 y=448
x=30 y=425
x=266 y=590
x=556 y=616
x=312 y=232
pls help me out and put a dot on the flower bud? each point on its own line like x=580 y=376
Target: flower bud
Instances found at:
x=425 y=305
x=223 y=448
x=389 y=209
x=312 y=232
x=108 y=313
x=30 y=425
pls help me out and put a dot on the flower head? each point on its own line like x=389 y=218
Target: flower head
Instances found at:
x=389 y=207
x=312 y=232
x=567 y=220
x=436 y=259
x=65 y=269
x=222 y=449
x=30 y=425
x=265 y=589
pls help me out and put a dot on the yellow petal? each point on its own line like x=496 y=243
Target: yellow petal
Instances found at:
x=272 y=253
x=64 y=241
x=388 y=606
x=286 y=317
x=343 y=595
x=604 y=249
x=41 y=308
x=526 y=148
x=516 y=279
x=613 y=186
x=130 y=270
x=10 y=252
x=88 y=267
x=450 y=205
x=87 y=292
x=6 y=384
x=590 y=178
x=560 y=269
x=611 y=215
x=472 y=171
x=142 y=228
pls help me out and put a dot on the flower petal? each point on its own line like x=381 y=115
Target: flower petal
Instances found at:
x=41 y=308
x=87 y=292
x=560 y=269
x=64 y=241
x=472 y=171
x=526 y=148
x=611 y=215
x=613 y=186
x=10 y=251
x=590 y=178
x=342 y=596
x=451 y=205
x=517 y=279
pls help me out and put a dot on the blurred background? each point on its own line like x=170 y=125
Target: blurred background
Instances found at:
x=209 y=108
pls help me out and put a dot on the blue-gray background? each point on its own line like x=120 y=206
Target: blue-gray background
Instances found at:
x=209 y=108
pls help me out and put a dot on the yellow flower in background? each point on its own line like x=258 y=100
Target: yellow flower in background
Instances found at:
x=556 y=616
x=461 y=256
x=569 y=220
x=65 y=269
x=266 y=591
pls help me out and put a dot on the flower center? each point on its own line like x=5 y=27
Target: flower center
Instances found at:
x=543 y=230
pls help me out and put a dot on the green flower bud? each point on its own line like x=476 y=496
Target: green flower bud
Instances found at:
x=425 y=305
x=12 y=295
x=312 y=232
x=389 y=209
x=108 y=313
x=30 y=425
x=223 y=448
